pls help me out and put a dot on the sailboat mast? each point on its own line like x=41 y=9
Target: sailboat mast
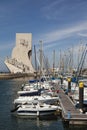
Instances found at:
x=53 y=62
x=41 y=57
x=35 y=58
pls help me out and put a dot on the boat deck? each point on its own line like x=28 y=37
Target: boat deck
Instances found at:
x=69 y=111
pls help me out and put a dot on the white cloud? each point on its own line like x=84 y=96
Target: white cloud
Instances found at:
x=64 y=33
x=52 y=10
x=65 y=9
x=82 y=34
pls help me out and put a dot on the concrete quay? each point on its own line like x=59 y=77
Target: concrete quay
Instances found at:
x=15 y=75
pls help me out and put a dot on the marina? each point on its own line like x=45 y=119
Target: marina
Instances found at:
x=47 y=92
x=8 y=93
x=70 y=113
x=43 y=65
x=53 y=93
x=8 y=121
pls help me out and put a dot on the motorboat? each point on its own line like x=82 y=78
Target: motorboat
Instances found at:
x=37 y=110
x=31 y=92
x=34 y=99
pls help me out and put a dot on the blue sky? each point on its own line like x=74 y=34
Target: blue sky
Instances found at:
x=60 y=24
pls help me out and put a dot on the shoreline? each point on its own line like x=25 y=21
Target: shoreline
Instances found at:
x=15 y=75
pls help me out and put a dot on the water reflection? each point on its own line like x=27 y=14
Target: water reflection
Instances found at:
x=75 y=126
x=46 y=122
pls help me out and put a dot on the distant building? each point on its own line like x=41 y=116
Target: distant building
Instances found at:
x=20 y=61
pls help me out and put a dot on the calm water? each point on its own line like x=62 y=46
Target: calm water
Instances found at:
x=8 y=90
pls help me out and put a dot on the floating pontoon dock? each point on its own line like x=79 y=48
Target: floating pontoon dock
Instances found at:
x=69 y=112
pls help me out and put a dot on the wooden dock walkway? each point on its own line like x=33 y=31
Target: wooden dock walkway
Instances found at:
x=69 y=112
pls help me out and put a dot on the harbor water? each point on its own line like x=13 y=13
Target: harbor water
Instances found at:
x=8 y=121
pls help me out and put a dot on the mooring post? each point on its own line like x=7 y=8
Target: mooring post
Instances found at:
x=69 y=84
x=69 y=114
x=61 y=79
x=81 y=94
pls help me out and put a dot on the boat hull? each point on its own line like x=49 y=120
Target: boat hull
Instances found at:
x=35 y=113
x=36 y=110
